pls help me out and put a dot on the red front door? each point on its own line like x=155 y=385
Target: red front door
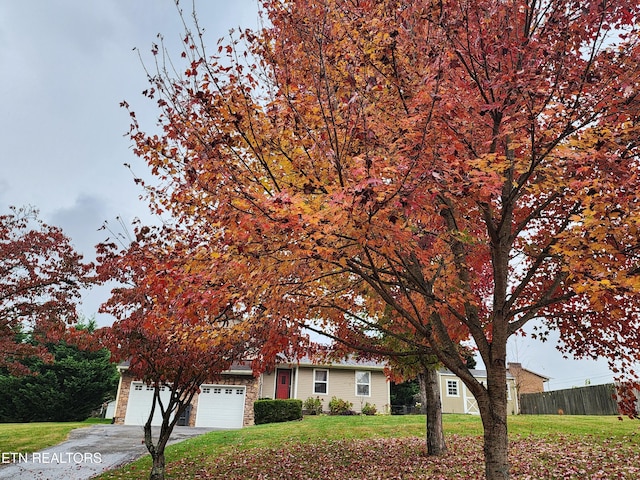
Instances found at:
x=283 y=384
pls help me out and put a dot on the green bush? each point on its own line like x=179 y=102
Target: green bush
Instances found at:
x=273 y=411
x=77 y=383
x=369 y=409
x=313 y=406
x=337 y=406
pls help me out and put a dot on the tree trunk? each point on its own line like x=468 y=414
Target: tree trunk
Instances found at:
x=424 y=399
x=157 y=450
x=493 y=410
x=171 y=414
x=430 y=393
x=157 y=467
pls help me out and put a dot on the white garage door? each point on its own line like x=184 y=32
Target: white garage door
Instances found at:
x=140 y=402
x=220 y=406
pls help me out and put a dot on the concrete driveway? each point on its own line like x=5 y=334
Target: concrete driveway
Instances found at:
x=88 y=452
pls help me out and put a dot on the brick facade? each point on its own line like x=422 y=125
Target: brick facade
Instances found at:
x=122 y=397
x=526 y=380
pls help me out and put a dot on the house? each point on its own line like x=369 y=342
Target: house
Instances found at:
x=526 y=380
x=456 y=397
x=228 y=401
x=358 y=382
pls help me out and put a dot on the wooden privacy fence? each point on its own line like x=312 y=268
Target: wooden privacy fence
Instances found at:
x=590 y=400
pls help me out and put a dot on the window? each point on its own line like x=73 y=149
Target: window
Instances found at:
x=239 y=391
x=206 y=390
x=321 y=382
x=228 y=391
x=452 y=388
x=363 y=384
x=217 y=390
x=138 y=387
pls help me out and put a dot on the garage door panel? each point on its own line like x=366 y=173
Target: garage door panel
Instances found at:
x=140 y=403
x=221 y=406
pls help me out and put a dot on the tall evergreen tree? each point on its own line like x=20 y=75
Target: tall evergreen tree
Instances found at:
x=75 y=384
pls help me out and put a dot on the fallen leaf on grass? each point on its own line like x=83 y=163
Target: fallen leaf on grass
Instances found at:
x=406 y=458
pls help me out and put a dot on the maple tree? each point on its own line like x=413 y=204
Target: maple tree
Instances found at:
x=472 y=165
x=174 y=326
x=41 y=278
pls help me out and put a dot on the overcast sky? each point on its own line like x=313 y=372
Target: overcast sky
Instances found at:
x=65 y=67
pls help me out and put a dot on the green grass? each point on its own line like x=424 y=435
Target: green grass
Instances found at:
x=313 y=430
x=598 y=427
x=31 y=437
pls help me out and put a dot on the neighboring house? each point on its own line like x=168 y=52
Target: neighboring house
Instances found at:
x=228 y=401
x=356 y=382
x=526 y=380
x=456 y=397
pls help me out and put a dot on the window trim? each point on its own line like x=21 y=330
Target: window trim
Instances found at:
x=368 y=384
x=452 y=382
x=316 y=381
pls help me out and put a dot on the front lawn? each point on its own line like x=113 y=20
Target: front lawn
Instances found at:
x=31 y=437
x=386 y=447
